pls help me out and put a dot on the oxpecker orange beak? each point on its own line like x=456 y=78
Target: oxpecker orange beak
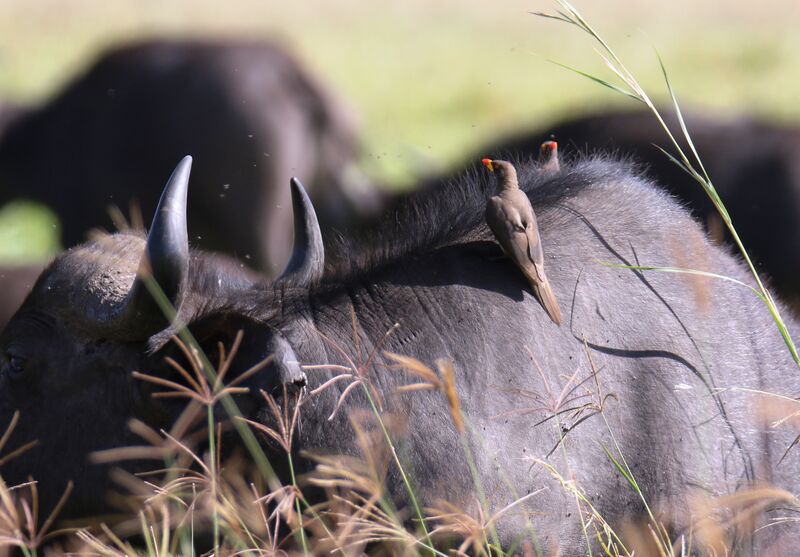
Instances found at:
x=488 y=164
x=548 y=147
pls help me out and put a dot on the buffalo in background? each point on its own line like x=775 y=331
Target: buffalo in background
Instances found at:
x=16 y=282
x=249 y=111
x=754 y=165
x=10 y=111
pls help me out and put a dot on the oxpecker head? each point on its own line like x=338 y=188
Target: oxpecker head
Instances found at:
x=505 y=172
x=548 y=157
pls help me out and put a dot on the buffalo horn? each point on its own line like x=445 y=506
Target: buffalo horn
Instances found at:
x=165 y=259
x=307 y=263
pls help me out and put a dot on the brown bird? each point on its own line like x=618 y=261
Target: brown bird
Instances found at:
x=548 y=157
x=510 y=216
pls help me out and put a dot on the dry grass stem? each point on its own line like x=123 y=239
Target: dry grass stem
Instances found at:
x=444 y=382
x=198 y=387
x=357 y=369
x=285 y=423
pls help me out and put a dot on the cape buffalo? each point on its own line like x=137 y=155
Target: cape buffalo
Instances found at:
x=754 y=164
x=660 y=361
x=250 y=112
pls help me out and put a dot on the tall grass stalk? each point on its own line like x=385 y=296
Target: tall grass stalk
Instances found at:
x=406 y=481
x=212 y=449
x=447 y=372
x=444 y=383
x=621 y=464
x=359 y=373
x=632 y=89
x=251 y=443
x=473 y=470
x=507 y=481
x=303 y=540
x=573 y=488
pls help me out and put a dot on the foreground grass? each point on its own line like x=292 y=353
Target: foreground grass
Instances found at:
x=195 y=503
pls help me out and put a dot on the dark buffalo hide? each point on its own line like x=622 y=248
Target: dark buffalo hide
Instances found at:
x=669 y=352
x=250 y=112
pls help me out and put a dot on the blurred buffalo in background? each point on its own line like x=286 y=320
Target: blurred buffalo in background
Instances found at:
x=754 y=165
x=16 y=281
x=9 y=112
x=249 y=112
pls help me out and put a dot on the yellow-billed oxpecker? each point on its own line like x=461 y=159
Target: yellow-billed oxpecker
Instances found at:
x=548 y=157
x=510 y=216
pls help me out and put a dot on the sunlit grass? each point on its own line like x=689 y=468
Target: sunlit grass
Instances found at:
x=28 y=233
x=434 y=80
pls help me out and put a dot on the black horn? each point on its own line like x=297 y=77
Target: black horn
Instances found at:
x=307 y=263
x=165 y=261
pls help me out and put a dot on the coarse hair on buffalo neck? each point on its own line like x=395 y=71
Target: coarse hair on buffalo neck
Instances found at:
x=451 y=211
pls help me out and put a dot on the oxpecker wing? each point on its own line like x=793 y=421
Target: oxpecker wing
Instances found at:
x=511 y=219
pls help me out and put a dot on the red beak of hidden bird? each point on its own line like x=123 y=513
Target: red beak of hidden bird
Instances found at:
x=488 y=164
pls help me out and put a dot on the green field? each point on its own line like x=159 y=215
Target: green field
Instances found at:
x=432 y=81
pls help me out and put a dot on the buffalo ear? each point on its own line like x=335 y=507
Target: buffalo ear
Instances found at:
x=307 y=263
x=281 y=369
x=287 y=368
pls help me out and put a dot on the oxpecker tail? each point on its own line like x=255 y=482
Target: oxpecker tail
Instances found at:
x=546 y=296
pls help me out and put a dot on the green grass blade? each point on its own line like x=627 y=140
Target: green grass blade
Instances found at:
x=681 y=120
x=559 y=17
x=680 y=270
x=602 y=82
x=622 y=470
x=618 y=68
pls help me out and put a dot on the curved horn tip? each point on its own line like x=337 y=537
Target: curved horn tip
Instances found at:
x=297 y=185
x=181 y=173
x=165 y=259
x=167 y=246
x=307 y=263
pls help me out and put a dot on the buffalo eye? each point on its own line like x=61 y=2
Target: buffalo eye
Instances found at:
x=15 y=365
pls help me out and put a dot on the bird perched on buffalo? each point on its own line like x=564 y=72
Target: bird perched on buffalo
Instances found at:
x=548 y=157
x=510 y=217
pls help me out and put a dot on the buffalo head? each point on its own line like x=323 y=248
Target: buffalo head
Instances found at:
x=109 y=307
